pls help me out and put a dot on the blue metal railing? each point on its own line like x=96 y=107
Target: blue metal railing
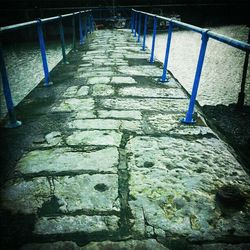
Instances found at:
x=205 y=35
x=84 y=29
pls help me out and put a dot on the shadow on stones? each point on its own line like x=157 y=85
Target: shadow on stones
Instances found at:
x=234 y=126
x=50 y=207
x=37 y=119
x=16 y=230
x=230 y=199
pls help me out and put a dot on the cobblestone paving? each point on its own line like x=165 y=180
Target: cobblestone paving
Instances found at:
x=120 y=171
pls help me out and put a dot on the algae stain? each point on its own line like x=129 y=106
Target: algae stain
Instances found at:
x=194 y=222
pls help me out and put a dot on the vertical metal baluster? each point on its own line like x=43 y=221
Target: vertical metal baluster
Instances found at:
x=89 y=21
x=74 y=31
x=145 y=33
x=139 y=29
x=132 y=22
x=13 y=122
x=92 y=23
x=86 y=26
x=164 y=73
x=62 y=41
x=135 y=24
x=189 y=115
x=43 y=54
x=153 y=40
x=241 y=97
x=80 y=28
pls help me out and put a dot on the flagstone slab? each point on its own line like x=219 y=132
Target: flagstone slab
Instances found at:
x=105 y=124
x=122 y=80
x=83 y=114
x=74 y=104
x=102 y=90
x=98 y=80
x=60 y=160
x=174 y=181
x=152 y=92
x=131 y=71
x=122 y=114
x=94 y=193
x=166 y=105
x=76 y=224
x=170 y=123
x=83 y=91
x=58 y=245
x=90 y=74
x=25 y=197
x=95 y=138
x=71 y=91
x=148 y=244
x=100 y=124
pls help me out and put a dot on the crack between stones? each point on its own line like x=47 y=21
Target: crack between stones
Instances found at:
x=123 y=188
x=86 y=212
x=50 y=175
x=80 y=238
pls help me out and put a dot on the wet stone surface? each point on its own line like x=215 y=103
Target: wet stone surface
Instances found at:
x=169 y=105
x=122 y=80
x=95 y=137
x=152 y=92
x=79 y=223
x=74 y=104
x=174 y=185
x=66 y=160
x=122 y=114
x=102 y=90
x=108 y=165
x=170 y=123
x=25 y=197
x=95 y=193
x=105 y=245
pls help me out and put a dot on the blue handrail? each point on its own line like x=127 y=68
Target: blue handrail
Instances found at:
x=206 y=34
x=13 y=122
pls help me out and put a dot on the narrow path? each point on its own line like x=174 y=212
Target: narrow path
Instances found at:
x=102 y=161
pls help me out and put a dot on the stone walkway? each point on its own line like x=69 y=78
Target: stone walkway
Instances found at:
x=103 y=162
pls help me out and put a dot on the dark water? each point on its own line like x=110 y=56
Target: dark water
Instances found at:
x=222 y=71
x=24 y=67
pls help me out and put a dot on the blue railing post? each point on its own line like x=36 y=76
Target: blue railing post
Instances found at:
x=132 y=21
x=43 y=53
x=62 y=41
x=92 y=23
x=164 y=73
x=74 y=31
x=135 y=24
x=85 y=26
x=80 y=28
x=241 y=96
x=139 y=29
x=89 y=22
x=13 y=122
x=189 y=115
x=145 y=33
x=153 y=40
